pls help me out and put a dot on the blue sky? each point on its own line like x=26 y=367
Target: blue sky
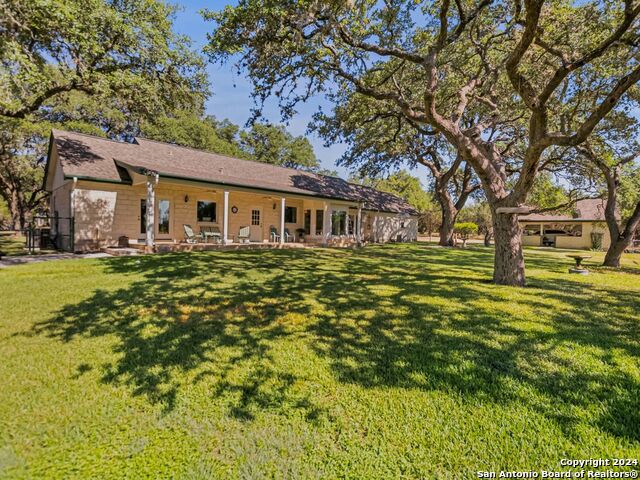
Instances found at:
x=232 y=93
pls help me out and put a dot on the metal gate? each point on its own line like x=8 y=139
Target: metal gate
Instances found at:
x=50 y=232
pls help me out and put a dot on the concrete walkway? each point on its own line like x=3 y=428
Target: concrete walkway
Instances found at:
x=24 y=259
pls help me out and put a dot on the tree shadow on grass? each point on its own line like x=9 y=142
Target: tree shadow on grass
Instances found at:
x=397 y=316
x=184 y=318
x=564 y=349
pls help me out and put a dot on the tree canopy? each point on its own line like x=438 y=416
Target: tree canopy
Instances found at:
x=404 y=185
x=504 y=82
x=273 y=144
x=548 y=194
x=190 y=130
x=124 y=49
x=96 y=66
x=381 y=140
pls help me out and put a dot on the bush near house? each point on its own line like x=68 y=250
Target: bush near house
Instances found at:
x=384 y=362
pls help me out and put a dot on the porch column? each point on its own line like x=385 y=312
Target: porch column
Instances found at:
x=225 y=218
x=326 y=227
x=150 y=240
x=282 y=205
x=312 y=223
x=359 y=225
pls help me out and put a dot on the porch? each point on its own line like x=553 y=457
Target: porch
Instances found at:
x=565 y=234
x=152 y=213
x=166 y=247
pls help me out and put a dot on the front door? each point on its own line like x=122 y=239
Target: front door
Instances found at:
x=256 y=234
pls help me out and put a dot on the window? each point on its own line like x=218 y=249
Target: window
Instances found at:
x=574 y=230
x=290 y=214
x=531 y=229
x=564 y=229
x=164 y=207
x=352 y=224
x=319 y=221
x=255 y=217
x=143 y=216
x=339 y=222
x=206 y=211
x=307 y=222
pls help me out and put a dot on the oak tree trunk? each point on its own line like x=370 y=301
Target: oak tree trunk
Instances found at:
x=615 y=251
x=487 y=239
x=16 y=209
x=509 y=259
x=449 y=216
x=623 y=241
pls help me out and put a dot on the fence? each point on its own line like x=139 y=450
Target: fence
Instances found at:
x=50 y=232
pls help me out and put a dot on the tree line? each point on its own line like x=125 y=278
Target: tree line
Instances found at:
x=114 y=70
x=519 y=106
x=502 y=91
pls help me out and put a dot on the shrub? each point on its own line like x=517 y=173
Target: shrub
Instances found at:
x=464 y=230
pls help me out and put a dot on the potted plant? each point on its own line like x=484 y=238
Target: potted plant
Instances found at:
x=300 y=232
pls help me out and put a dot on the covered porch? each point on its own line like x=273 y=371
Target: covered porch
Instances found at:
x=185 y=215
x=565 y=234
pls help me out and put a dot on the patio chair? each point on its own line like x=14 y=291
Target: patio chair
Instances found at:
x=243 y=234
x=273 y=234
x=190 y=236
x=211 y=232
x=288 y=237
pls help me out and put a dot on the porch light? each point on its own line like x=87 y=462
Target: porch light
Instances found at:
x=186 y=199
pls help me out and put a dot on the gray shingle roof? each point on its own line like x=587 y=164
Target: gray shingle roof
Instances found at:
x=87 y=156
x=588 y=210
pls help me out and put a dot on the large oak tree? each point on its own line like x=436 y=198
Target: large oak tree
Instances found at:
x=127 y=49
x=502 y=81
x=616 y=165
x=380 y=140
x=90 y=65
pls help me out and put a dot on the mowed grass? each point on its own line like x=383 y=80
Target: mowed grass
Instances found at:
x=12 y=244
x=389 y=361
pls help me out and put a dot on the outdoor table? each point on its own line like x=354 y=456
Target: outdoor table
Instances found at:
x=578 y=268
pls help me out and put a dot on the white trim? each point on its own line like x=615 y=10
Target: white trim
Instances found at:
x=225 y=217
x=359 y=225
x=282 y=207
x=152 y=181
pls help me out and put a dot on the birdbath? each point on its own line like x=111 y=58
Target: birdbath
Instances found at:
x=578 y=268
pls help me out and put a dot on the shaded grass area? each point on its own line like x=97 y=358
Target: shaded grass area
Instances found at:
x=12 y=244
x=374 y=363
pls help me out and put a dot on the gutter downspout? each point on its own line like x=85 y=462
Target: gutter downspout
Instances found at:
x=72 y=215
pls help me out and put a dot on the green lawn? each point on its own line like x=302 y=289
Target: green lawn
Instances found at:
x=12 y=244
x=402 y=360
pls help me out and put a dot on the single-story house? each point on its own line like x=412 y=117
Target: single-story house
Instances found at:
x=586 y=228
x=145 y=192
